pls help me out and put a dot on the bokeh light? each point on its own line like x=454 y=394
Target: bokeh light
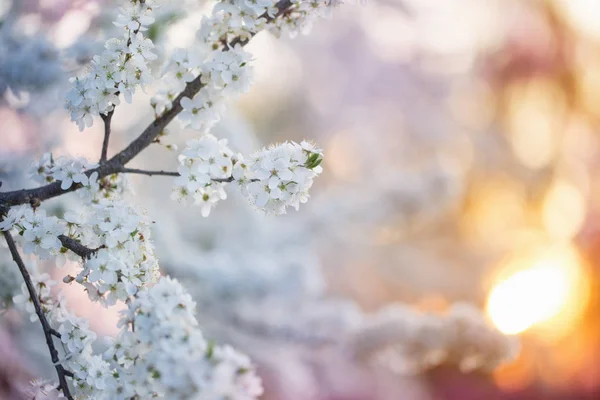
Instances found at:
x=550 y=291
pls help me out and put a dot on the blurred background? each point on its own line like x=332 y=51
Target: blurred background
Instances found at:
x=461 y=142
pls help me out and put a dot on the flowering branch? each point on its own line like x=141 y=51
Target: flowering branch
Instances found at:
x=118 y=162
x=112 y=166
x=113 y=239
x=48 y=331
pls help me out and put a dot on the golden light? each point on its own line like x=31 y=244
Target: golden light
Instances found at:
x=535 y=115
x=548 y=294
x=564 y=210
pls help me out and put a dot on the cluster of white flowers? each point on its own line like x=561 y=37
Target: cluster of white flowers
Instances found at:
x=125 y=258
x=243 y=19
x=273 y=179
x=408 y=341
x=162 y=318
x=204 y=166
x=120 y=69
x=68 y=171
x=281 y=176
x=75 y=335
x=219 y=59
x=39 y=231
x=160 y=351
x=301 y=15
x=233 y=19
x=224 y=74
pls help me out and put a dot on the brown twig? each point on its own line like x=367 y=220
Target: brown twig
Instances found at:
x=166 y=173
x=107 y=118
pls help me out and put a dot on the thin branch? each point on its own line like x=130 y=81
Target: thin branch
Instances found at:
x=107 y=118
x=77 y=248
x=61 y=372
x=166 y=173
x=147 y=137
x=149 y=173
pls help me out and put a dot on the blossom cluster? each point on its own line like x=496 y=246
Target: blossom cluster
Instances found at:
x=69 y=171
x=280 y=176
x=120 y=69
x=301 y=15
x=77 y=171
x=272 y=179
x=224 y=75
x=204 y=166
x=161 y=318
x=125 y=259
x=160 y=351
x=233 y=19
x=218 y=59
x=224 y=68
x=75 y=334
x=39 y=231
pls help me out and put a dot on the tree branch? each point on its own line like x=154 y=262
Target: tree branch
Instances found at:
x=77 y=248
x=48 y=331
x=166 y=173
x=149 y=173
x=107 y=118
x=118 y=162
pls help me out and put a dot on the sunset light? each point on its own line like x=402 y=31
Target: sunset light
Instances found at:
x=545 y=293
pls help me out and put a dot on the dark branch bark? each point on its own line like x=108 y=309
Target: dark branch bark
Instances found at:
x=77 y=248
x=107 y=120
x=48 y=331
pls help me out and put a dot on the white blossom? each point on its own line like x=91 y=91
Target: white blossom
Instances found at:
x=281 y=176
x=163 y=316
x=120 y=69
x=67 y=170
x=203 y=167
x=125 y=260
x=39 y=232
